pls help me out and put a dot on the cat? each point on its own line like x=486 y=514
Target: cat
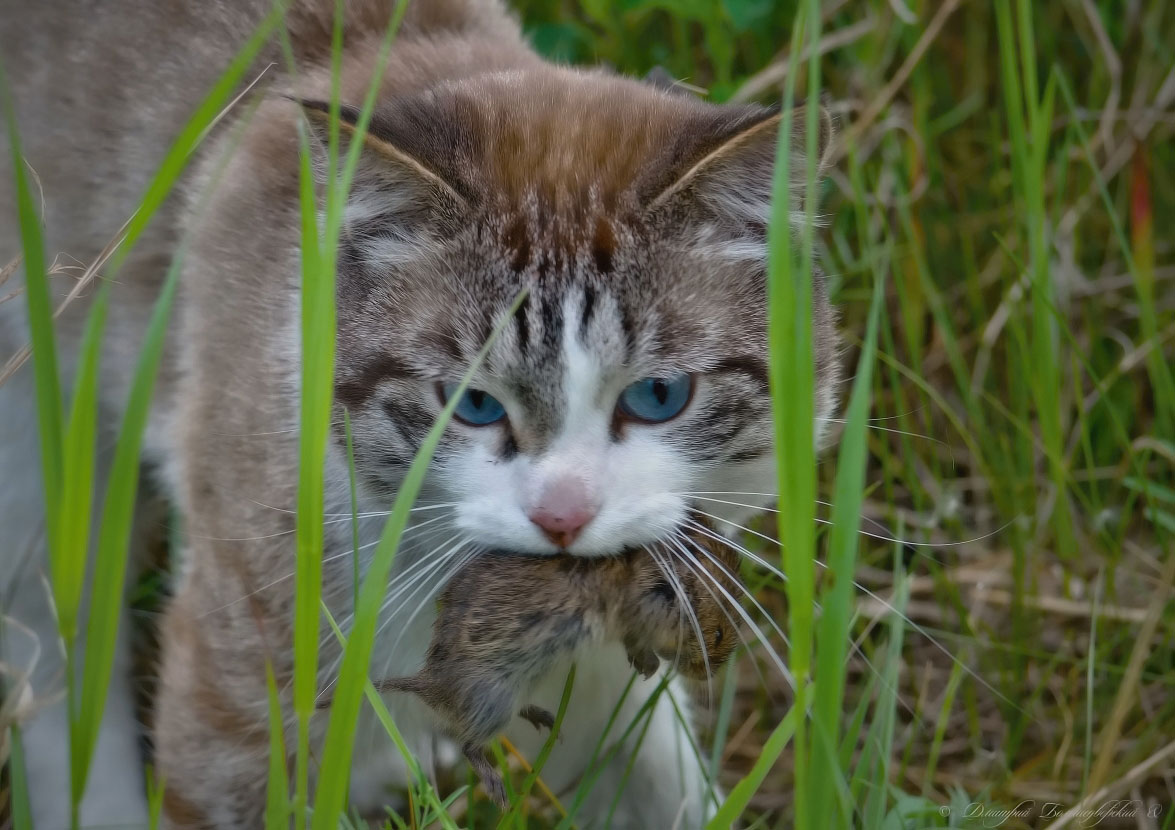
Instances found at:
x=633 y=375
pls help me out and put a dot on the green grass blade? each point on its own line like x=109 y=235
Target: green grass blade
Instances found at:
x=424 y=787
x=736 y=803
x=697 y=756
x=277 y=789
x=834 y=635
x=586 y=781
x=109 y=571
x=318 y=314
x=416 y=774
x=317 y=327
x=633 y=753
x=155 y=790
x=18 y=784
x=107 y=594
x=351 y=484
x=722 y=724
x=1029 y=136
x=344 y=710
x=351 y=163
x=940 y=726
x=791 y=377
x=852 y=732
x=1087 y=747
x=545 y=752
x=792 y=382
x=873 y=768
x=67 y=559
x=679 y=758
x=1161 y=373
x=314 y=414
x=40 y=316
x=597 y=764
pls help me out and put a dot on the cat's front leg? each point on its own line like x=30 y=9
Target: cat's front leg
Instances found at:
x=666 y=786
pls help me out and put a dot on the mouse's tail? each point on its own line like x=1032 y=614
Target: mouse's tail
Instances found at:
x=413 y=684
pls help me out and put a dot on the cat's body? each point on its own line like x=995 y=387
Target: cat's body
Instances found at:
x=634 y=217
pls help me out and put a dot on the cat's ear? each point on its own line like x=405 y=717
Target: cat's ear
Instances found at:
x=377 y=151
x=726 y=181
x=407 y=202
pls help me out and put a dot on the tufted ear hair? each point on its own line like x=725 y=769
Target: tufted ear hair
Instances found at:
x=398 y=207
x=726 y=188
x=659 y=78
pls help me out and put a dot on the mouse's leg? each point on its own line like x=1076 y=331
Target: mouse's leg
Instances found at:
x=643 y=659
x=641 y=655
x=491 y=779
x=538 y=716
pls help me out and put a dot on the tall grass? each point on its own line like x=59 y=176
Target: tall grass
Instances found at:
x=792 y=376
x=319 y=258
x=1009 y=392
x=67 y=454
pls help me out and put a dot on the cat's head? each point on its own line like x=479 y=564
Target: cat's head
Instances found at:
x=634 y=374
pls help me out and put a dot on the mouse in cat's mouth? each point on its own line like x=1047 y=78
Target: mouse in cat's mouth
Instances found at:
x=506 y=619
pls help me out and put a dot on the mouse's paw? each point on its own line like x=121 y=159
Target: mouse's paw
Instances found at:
x=644 y=661
x=496 y=790
x=538 y=716
x=488 y=774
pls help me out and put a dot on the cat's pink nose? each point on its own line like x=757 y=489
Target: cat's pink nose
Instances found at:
x=563 y=510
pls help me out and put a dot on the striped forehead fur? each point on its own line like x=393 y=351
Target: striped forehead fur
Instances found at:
x=568 y=158
x=637 y=219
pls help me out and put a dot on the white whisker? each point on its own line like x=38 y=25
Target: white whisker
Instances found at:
x=706 y=578
x=734 y=576
x=371 y=514
x=347 y=518
x=325 y=559
x=463 y=557
x=894 y=431
x=775 y=658
x=419 y=571
x=888 y=606
x=854 y=647
x=913 y=544
x=685 y=607
x=906 y=414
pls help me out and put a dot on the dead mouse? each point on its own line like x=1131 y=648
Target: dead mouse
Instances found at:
x=506 y=619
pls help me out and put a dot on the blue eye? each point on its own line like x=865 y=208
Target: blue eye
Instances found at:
x=654 y=400
x=475 y=408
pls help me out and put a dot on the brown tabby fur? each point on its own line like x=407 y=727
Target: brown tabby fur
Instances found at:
x=559 y=170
